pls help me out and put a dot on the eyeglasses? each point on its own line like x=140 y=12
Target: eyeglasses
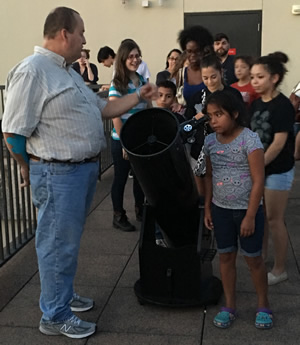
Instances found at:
x=173 y=58
x=132 y=57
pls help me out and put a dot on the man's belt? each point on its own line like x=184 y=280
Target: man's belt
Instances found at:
x=86 y=160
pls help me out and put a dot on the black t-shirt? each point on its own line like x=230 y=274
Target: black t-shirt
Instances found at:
x=198 y=100
x=85 y=76
x=268 y=118
x=228 y=70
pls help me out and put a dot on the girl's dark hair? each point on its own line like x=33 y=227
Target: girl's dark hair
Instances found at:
x=173 y=50
x=230 y=103
x=121 y=77
x=211 y=60
x=274 y=64
x=198 y=34
x=248 y=60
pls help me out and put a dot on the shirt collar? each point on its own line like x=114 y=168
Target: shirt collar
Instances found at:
x=58 y=59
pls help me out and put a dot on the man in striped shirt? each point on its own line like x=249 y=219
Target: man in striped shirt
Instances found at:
x=53 y=127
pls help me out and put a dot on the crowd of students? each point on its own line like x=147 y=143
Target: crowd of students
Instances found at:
x=243 y=156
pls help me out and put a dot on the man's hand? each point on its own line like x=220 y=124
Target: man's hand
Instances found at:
x=149 y=92
x=25 y=175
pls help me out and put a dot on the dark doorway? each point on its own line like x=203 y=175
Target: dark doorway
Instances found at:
x=242 y=27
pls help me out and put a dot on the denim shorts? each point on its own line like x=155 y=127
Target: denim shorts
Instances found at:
x=227 y=224
x=281 y=181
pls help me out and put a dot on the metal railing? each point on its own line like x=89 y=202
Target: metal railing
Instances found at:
x=17 y=214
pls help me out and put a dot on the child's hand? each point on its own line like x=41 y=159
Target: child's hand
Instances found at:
x=176 y=107
x=198 y=116
x=247 y=226
x=208 y=219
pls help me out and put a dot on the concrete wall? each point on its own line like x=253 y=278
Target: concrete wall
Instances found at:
x=155 y=28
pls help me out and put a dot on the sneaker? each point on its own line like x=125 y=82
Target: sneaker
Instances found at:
x=121 y=222
x=72 y=328
x=79 y=303
x=273 y=280
x=130 y=174
x=161 y=242
x=224 y=318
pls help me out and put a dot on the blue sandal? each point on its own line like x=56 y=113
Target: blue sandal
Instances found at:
x=224 y=318
x=264 y=318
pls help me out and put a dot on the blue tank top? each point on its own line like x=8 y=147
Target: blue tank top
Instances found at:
x=189 y=90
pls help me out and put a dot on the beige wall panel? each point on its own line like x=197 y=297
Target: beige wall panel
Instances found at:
x=155 y=28
x=281 y=32
x=107 y=22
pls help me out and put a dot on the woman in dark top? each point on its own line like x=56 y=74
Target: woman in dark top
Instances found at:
x=211 y=70
x=197 y=42
x=172 y=58
x=273 y=118
x=87 y=70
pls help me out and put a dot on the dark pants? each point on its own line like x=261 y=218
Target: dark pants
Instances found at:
x=121 y=170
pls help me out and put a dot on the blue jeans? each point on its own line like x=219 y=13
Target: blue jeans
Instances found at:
x=121 y=170
x=63 y=194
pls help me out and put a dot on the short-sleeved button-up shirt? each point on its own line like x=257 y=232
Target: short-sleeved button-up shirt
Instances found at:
x=49 y=103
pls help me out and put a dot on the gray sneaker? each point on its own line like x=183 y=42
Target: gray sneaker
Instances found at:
x=72 y=328
x=79 y=303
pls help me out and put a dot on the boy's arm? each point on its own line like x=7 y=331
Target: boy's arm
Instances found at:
x=257 y=171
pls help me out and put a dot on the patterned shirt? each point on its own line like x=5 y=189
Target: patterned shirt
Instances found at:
x=230 y=169
x=113 y=92
x=49 y=103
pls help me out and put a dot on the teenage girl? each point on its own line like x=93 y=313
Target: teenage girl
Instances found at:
x=212 y=75
x=234 y=184
x=273 y=118
x=126 y=81
x=242 y=67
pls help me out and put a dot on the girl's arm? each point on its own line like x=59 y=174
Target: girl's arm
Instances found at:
x=276 y=146
x=257 y=171
x=208 y=195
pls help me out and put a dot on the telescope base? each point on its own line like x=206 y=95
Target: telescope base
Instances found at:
x=210 y=296
x=176 y=276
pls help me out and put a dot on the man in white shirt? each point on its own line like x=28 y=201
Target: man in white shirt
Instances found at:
x=52 y=123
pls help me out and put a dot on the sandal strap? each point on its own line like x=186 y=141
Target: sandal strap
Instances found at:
x=229 y=310
x=264 y=310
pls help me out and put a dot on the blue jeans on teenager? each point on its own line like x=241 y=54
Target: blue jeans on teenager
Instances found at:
x=121 y=170
x=62 y=193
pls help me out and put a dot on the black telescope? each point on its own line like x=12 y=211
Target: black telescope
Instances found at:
x=181 y=273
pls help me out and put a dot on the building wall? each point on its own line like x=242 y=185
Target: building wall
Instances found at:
x=155 y=29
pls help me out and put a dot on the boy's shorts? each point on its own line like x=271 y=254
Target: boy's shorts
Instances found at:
x=227 y=224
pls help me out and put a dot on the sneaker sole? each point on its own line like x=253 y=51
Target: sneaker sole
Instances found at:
x=74 y=336
x=78 y=309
